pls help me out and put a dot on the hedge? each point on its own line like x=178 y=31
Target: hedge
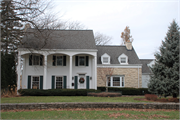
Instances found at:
x=126 y=91
x=56 y=92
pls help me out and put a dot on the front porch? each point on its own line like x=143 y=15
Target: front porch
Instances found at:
x=57 y=69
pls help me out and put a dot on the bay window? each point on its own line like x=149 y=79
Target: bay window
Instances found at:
x=115 y=81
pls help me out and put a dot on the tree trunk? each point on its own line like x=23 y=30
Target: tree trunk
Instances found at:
x=106 y=89
x=174 y=95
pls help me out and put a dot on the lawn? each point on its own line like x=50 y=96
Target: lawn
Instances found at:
x=92 y=114
x=49 y=99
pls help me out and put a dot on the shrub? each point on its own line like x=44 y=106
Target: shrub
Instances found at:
x=151 y=97
x=55 y=92
x=126 y=91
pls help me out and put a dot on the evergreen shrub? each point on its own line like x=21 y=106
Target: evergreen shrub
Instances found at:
x=126 y=91
x=55 y=92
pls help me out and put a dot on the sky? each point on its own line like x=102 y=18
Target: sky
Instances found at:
x=148 y=20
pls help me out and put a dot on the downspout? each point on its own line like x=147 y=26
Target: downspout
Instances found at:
x=138 y=76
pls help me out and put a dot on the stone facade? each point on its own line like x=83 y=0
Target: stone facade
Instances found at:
x=130 y=76
x=30 y=106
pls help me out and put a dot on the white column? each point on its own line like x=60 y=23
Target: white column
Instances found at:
x=70 y=71
x=45 y=72
x=95 y=72
x=92 y=73
x=19 y=72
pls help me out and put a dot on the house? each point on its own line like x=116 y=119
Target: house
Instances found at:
x=146 y=72
x=69 y=59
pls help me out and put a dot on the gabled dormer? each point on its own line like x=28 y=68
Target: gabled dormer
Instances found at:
x=151 y=63
x=105 y=59
x=123 y=59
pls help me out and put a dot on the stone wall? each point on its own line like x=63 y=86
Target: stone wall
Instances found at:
x=29 y=106
x=131 y=76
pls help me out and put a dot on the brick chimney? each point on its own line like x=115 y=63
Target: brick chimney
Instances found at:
x=128 y=45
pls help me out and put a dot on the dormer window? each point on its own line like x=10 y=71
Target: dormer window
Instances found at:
x=123 y=59
x=105 y=59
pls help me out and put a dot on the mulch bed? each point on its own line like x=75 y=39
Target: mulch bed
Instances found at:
x=104 y=94
x=159 y=100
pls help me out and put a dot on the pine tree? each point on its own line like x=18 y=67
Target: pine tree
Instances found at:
x=165 y=78
x=11 y=28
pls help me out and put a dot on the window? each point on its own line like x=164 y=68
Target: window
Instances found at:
x=81 y=61
x=35 y=60
x=105 y=59
x=123 y=60
x=59 y=60
x=35 y=83
x=115 y=81
x=59 y=82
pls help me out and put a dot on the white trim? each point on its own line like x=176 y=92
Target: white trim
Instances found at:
x=123 y=56
x=120 y=66
x=105 y=55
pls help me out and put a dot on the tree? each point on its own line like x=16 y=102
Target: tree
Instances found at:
x=14 y=15
x=11 y=28
x=165 y=78
x=8 y=71
x=105 y=73
x=101 y=39
x=126 y=37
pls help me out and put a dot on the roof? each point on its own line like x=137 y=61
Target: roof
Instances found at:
x=145 y=68
x=58 y=39
x=115 y=51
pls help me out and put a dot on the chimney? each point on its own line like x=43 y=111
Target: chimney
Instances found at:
x=26 y=27
x=128 y=45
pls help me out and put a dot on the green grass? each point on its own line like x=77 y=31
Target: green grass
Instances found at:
x=125 y=114
x=48 y=99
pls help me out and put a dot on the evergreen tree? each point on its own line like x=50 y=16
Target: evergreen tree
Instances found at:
x=165 y=78
x=8 y=71
x=11 y=27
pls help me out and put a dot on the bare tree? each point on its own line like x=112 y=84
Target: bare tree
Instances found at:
x=105 y=73
x=126 y=37
x=101 y=39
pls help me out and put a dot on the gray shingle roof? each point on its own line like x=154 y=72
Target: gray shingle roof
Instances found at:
x=115 y=51
x=59 y=39
x=145 y=68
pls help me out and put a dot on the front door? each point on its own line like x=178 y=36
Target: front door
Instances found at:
x=82 y=81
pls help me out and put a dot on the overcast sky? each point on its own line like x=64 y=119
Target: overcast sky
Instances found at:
x=148 y=20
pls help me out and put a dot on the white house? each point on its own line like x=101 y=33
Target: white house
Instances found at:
x=69 y=59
